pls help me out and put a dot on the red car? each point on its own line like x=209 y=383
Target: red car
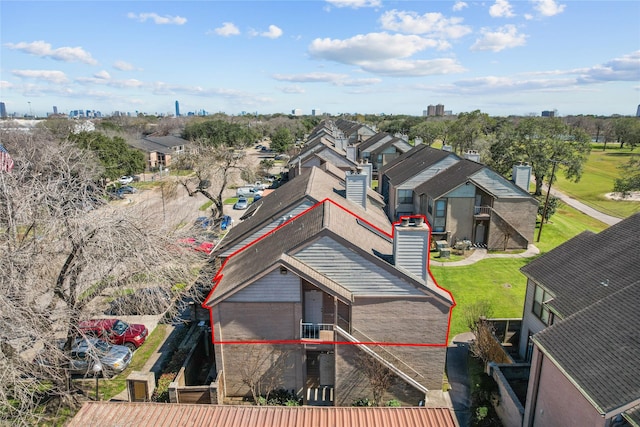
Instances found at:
x=198 y=246
x=115 y=331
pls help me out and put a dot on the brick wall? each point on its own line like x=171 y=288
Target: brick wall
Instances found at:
x=406 y=321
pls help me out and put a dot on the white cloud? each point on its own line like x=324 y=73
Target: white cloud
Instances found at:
x=227 y=29
x=292 y=90
x=459 y=6
x=355 y=4
x=124 y=66
x=548 y=7
x=625 y=68
x=369 y=47
x=503 y=38
x=417 y=68
x=51 y=76
x=332 y=78
x=102 y=75
x=501 y=9
x=160 y=20
x=434 y=24
x=273 y=33
x=42 y=49
x=310 y=77
x=5 y=84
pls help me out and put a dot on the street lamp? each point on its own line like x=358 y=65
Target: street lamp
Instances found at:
x=97 y=370
x=546 y=200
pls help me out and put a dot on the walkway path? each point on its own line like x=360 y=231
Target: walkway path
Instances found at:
x=479 y=254
x=607 y=219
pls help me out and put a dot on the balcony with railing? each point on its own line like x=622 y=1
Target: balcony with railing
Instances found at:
x=316 y=331
x=482 y=211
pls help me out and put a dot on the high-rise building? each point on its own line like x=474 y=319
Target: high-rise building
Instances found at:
x=55 y=110
x=177 y=109
x=439 y=110
x=638 y=111
x=3 y=110
x=549 y=113
x=431 y=110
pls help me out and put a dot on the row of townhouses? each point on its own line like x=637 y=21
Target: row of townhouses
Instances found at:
x=325 y=275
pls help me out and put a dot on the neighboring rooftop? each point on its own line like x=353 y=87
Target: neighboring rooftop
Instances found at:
x=589 y=267
x=598 y=348
x=112 y=414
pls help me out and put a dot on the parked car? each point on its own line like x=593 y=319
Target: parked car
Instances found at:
x=259 y=185
x=125 y=179
x=86 y=352
x=143 y=302
x=247 y=191
x=115 y=331
x=204 y=221
x=197 y=245
x=126 y=189
x=242 y=203
x=227 y=222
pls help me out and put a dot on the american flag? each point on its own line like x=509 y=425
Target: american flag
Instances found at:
x=6 y=162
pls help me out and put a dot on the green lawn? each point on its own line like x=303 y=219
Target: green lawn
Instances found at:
x=499 y=279
x=597 y=179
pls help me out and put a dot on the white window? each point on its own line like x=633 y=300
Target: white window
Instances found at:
x=540 y=308
x=405 y=197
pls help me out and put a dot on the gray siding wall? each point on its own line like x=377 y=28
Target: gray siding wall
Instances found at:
x=274 y=287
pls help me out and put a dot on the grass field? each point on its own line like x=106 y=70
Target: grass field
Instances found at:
x=499 y=280
x=599 y=174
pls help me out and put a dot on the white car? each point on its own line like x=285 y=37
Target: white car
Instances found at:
x=126 y=179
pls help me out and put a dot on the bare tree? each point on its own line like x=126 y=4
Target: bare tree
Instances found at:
x=212 y=167
x=263 y=369
x=62 y=249
x=380 y=377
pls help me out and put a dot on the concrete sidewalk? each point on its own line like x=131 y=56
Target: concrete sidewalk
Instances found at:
x=479 y=254
x=587 y=210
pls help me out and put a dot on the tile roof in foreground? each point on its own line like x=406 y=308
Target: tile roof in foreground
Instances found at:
x=112 y=414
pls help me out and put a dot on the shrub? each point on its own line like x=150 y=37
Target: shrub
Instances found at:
x=362 y=402
x=161 y=393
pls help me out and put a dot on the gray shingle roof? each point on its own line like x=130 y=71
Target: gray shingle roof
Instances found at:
x=576 y=271
x=450 y=178
x=599 y=349
x=301 y=237
x=313 y=186
x=412 y=162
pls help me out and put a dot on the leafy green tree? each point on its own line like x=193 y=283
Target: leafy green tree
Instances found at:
x=629 y=178
x=282 y=140
x=431 y=131
x=541 y=141
x=467 y=128
x=627 y=131
x=115 y=155
x=219 y=132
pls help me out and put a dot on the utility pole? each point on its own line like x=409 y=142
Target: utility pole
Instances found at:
x=546 y=200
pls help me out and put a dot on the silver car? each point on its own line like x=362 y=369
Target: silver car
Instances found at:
x=112 y=358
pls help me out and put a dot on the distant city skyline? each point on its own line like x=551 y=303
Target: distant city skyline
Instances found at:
x=336 y=56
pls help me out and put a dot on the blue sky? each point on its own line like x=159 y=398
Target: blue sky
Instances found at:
x=336 y=56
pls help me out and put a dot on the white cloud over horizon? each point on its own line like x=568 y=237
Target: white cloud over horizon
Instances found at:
x=505 y=37
x=157 y=19
x=44 y=50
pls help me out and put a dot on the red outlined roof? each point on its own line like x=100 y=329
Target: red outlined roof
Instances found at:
x=220 y=274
